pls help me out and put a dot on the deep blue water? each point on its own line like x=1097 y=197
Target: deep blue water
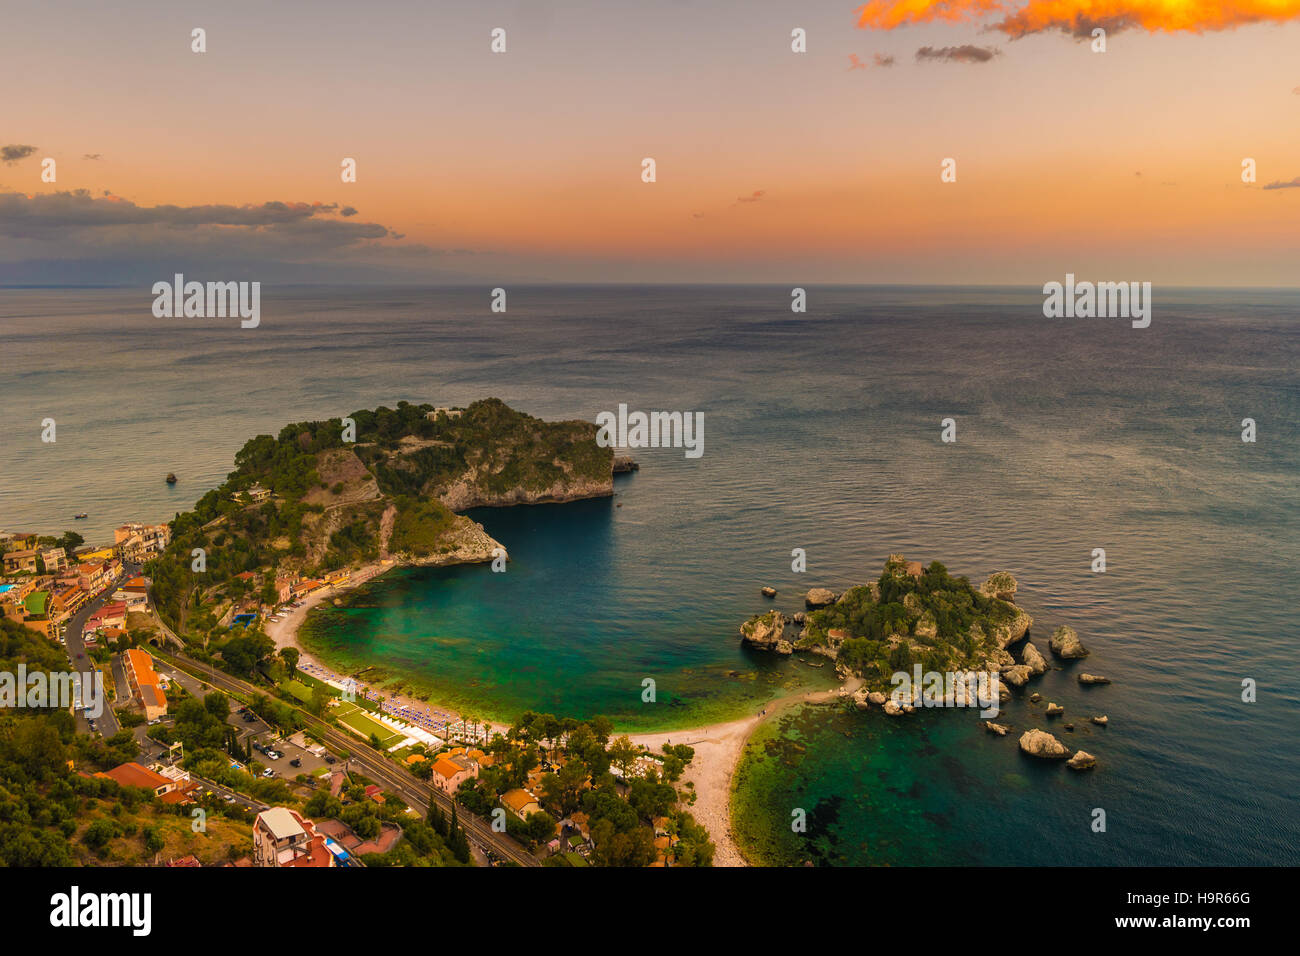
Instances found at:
x=822 y=432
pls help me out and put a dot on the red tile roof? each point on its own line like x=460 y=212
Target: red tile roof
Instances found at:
x=134 y=775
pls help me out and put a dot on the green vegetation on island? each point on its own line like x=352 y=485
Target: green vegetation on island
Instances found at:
x=324 y=497
x=909 y=615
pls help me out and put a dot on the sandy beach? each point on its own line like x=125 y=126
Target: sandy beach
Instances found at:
x=284 y=633
x=717 y=747
x=717 y=752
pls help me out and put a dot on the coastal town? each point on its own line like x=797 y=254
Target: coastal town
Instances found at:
x=294 y=765
x=190 y=682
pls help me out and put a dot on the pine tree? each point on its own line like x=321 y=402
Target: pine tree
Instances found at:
x=457 y=842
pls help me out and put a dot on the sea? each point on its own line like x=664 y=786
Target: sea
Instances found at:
x=823 y=435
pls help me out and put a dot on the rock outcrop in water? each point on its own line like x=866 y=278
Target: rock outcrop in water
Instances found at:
x=1041 y=744
x=1017 y=675
x=764 y=631
x=1082 y=760
x=818 y=598
x=1033 y=659
x=1065 y=643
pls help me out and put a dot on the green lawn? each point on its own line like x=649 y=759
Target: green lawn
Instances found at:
x=352 y=717
x=299 y=690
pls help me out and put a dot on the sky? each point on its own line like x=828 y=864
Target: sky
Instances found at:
x=771 y=165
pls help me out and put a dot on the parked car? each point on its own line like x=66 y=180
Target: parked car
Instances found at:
x=295 y=762
x=329 y=758
x=268 y=772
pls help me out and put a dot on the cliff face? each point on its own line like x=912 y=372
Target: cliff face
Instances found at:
x=466 y=543
x=468 y=492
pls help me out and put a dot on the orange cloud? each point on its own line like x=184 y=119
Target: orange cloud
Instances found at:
x=1079 y=17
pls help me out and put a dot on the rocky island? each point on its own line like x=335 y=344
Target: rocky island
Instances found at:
x=325 y=498
x=909 y=615
x=914 y=616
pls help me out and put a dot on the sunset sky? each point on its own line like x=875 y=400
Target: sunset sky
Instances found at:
x=772 y=165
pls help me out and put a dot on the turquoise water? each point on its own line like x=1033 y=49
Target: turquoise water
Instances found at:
x=822 y=432
x=562 y=630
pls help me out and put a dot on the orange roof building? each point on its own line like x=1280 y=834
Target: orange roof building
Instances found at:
x=145 y=683
x=520 y=802
x=135 y=775
x=450 y=772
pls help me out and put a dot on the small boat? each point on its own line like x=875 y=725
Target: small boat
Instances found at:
x=171 y=478
x=81 y=515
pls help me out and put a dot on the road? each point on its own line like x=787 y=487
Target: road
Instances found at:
x=415 y=792
x=106 y=725
x=230 y=796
